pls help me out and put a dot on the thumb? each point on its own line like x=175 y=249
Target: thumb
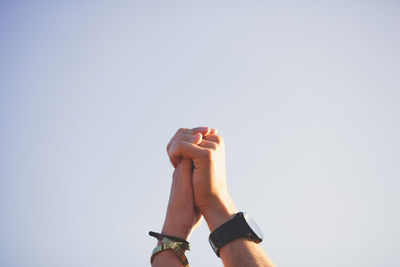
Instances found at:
x=186 y=166
x=183 y=180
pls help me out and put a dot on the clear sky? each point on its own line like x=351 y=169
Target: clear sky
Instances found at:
x=305 y=94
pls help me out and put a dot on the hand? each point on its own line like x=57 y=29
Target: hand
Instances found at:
x=207 y=152
x=182 y=216
x=193 y=136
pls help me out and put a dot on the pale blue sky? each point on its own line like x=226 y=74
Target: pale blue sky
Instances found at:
x=306 y=95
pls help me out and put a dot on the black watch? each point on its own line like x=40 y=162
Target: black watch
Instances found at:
x=239 y=226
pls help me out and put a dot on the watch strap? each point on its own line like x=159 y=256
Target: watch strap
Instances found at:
x=157 y=250
x=178 y=250
x=177 y=247
x=233 y=229
x=159 y=236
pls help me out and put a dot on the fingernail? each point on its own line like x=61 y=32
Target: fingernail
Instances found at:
x=197 y=138
x=203 y=129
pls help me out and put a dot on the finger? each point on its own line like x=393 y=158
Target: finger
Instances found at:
x=170 y=143
x=188 y=150
x=183 y=138
x=189 y=135
x=214 y=138
x=194 y=136
x=186 y=166
x=178 y=133
x=182 y=183
x=186 y=131
x=185 y=134
x=208 y=144
x=185 y=173
x=202 y=130
x=213 y=131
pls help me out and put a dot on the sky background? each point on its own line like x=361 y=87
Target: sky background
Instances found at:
x=305 y=93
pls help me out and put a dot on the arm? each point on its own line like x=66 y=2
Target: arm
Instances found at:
x=240 y=252
x=182 y=217
x=211 y=194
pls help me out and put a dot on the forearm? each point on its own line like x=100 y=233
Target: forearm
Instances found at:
x=180 y=220
x=209 y=189
x=242 y=252
x=169 y=257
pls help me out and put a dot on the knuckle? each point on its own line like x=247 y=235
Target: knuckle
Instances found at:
x=182 y=130
x=170 y=151
x=219 y=139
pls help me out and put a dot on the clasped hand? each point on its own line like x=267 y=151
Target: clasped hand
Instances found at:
x=199 y=186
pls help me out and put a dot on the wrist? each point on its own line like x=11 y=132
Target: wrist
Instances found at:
x=221 y=211
x=174 y=229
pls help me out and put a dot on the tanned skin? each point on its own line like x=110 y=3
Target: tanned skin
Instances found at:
x=199 y=189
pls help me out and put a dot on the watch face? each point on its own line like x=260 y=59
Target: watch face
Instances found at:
x=253 y=225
